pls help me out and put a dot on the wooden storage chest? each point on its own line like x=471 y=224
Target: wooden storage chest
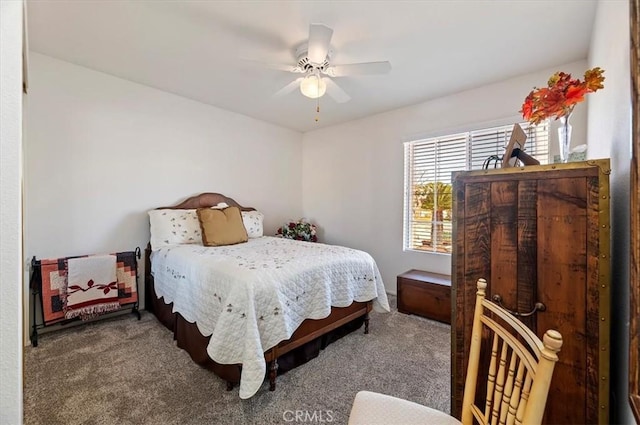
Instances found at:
x=425 y=294
x=539 y=234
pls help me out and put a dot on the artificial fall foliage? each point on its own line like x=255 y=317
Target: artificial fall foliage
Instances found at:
x=560 y=96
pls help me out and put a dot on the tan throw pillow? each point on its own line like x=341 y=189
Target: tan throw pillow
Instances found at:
x=221 y=227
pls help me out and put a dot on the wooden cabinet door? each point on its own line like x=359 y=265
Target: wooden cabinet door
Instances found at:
x=539 y=235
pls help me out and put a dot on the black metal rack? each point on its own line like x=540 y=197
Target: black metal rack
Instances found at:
x=35 y=284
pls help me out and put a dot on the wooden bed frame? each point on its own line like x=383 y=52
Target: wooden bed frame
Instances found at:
x=308 y=331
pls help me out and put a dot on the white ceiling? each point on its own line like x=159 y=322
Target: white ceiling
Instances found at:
x=201 y=49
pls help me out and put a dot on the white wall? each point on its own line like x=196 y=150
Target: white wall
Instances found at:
x=354 y=173
x=609 y=132
x=11 y=212
x=102 y=151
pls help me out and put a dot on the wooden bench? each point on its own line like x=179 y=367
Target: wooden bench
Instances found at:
x=425 y=294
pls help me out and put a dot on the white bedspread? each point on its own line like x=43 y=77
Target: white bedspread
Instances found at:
x=251 y=296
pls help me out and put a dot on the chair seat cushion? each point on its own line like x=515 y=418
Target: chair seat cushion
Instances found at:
x=379 y=409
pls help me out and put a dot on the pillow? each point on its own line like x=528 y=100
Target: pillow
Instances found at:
x=174 y=227
x=221 y=226
x=252 y=221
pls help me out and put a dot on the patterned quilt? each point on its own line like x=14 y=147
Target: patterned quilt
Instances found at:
x=251 y=296
x=54 y=282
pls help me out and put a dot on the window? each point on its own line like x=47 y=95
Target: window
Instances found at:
x=428 y=167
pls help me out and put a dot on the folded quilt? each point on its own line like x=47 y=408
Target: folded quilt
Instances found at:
x=92 y=287
x=126 y=272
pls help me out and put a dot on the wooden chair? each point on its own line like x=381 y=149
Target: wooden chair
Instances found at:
x=517 y=384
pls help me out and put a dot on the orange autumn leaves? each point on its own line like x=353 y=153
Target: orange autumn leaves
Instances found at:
x=560 y=96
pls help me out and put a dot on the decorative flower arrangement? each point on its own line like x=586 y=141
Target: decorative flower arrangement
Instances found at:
x=560 y=96
x=300 y=230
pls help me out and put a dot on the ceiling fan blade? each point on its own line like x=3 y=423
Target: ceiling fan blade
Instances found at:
x=360 y=69
x=319 y=41
x=268 y=65
x=281 y=67
x=335 y=92
x=288 y=88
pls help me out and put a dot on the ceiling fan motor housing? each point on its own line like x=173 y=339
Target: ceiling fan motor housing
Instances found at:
x=306 y=65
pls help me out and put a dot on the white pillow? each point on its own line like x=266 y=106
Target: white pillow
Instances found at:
x=252 y=221
x=174 y=227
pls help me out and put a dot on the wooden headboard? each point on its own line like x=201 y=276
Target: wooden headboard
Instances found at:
x=206 y=200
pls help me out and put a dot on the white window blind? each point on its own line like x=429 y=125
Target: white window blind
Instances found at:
x=428 y=167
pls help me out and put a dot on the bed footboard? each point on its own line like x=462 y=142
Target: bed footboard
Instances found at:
x=312 y=329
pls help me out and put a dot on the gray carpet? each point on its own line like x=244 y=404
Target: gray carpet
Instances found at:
x=124 y=371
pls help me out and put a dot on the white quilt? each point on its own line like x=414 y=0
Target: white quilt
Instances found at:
x=251 y=296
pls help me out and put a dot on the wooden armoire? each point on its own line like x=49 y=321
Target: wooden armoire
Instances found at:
x=539 y=235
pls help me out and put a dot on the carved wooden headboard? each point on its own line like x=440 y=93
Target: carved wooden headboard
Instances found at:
x=205 y=200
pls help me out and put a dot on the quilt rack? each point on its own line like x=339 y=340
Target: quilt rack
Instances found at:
x=48 y=280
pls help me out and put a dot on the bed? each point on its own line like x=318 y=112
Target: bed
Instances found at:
x=261 y=307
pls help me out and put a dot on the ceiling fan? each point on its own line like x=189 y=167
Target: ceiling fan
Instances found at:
x=314 y=61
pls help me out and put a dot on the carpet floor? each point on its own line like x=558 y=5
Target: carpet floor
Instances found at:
x=124 y=371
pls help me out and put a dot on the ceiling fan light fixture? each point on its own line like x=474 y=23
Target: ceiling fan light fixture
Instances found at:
x=313 y=86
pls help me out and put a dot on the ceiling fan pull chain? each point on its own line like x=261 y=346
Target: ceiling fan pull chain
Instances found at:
x=318 y=98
